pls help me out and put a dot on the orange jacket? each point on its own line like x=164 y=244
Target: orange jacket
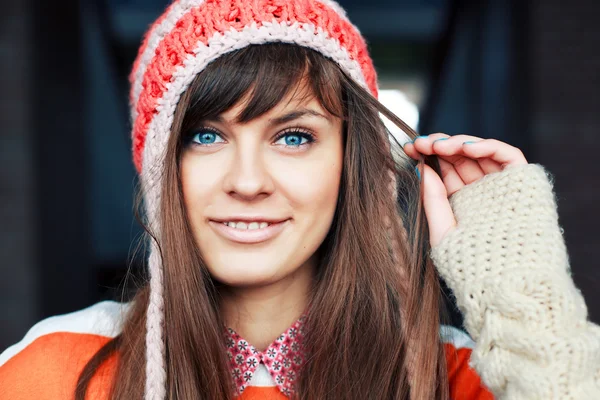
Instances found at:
x=45 y=365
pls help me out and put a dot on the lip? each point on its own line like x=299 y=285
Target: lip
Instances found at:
x=249 y=236
x=249 y=218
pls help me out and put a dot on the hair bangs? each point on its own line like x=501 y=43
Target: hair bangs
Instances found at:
x=254 y=76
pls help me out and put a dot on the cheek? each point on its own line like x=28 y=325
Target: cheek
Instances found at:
x=197 y=187
x=312 y=188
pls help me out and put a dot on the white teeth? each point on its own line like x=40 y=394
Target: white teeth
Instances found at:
x=248 y=226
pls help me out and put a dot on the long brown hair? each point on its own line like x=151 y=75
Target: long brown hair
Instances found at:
x=373 y=326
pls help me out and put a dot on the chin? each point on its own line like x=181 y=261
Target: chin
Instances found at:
x=246 y=270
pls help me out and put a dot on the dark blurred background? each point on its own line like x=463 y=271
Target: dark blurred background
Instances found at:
x=525 y=72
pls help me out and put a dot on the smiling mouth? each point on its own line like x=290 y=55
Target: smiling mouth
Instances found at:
x=248 y=232
x=247 y=225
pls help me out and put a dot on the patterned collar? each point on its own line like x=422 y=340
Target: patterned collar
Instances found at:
x=283 y=358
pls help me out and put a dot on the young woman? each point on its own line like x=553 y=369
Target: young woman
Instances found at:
x=295 y=251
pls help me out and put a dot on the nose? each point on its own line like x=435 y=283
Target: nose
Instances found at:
x=248 y=176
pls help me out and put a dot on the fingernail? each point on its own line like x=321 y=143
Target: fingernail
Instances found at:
x=419 y=137
x=469 y=142
x=418 y=173
x=437 y=140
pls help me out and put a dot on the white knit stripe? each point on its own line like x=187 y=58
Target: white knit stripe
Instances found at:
x=104 y=319
x=456 y=337
x=306 y=35
x=156 y=375
x=337 y=8
x=174 y=14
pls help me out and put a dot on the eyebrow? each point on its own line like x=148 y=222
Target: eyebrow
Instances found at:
x=291 y=116
x=297 y=114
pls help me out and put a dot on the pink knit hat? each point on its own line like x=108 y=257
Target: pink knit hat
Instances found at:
x=188 y=36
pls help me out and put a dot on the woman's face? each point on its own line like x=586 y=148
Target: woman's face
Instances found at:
x=261 y=196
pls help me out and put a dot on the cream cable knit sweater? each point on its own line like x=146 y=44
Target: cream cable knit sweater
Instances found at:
x=507 y=264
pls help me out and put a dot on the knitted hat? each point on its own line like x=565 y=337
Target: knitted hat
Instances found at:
x=179 y=45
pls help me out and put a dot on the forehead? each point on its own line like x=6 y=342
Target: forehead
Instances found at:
x=298 y=102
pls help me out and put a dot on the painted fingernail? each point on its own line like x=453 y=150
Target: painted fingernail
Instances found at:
x=418 y=173
x=419 y=137
x=469 y=142
x=437 y=140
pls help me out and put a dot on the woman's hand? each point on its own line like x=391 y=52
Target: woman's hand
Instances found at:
x=463 y=160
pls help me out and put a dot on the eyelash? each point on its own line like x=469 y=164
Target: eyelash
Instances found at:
x=298 y=131
x=189 y=140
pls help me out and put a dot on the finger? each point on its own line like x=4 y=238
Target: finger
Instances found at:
x=468 y=169
x=475 y=147
x=423 y=144
x=500 y=152
x=413 y=152
x=461 y=138
x=448 y=149
x=451 y=179
x=440 y=217
x=489 y=166
x=451 y=146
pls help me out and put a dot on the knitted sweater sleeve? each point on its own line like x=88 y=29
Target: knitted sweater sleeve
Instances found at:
x=507 y=265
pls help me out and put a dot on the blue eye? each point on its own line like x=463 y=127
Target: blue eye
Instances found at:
x=294 y=139
x=205 y=138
